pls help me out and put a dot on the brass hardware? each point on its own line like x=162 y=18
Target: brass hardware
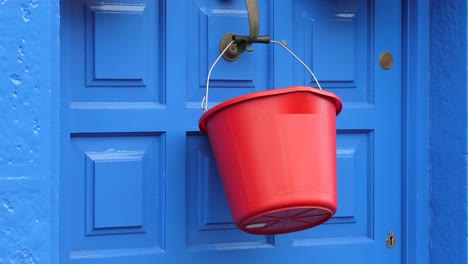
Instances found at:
x=232 y=54
x=391 y=240
x=386 y=60
x=241 y=42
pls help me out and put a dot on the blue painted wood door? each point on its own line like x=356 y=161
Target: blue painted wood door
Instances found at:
x=138 y=181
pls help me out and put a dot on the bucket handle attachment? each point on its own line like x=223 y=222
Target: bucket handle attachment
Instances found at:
x=204 y=102
x=244 y=42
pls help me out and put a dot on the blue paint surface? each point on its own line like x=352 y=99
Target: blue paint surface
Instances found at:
x=28 y=46
x=448 y=132
x=416 y=126
x=108 y=108
x=29 y=54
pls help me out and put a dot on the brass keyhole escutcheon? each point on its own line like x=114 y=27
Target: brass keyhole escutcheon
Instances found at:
x=386 y=60
x=391 y=240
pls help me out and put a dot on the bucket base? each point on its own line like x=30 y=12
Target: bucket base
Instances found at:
x=286 y=220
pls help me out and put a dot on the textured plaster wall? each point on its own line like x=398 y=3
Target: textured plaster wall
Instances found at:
x=448 y=132
x=28 y=37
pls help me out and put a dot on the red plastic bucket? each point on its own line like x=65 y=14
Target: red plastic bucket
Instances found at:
x=276 y=154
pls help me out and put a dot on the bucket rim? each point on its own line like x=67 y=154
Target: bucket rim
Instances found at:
x=204 y=118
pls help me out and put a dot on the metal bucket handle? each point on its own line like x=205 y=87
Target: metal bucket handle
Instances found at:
x=204 y=103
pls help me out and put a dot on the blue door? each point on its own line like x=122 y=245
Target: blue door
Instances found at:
x=138 y=181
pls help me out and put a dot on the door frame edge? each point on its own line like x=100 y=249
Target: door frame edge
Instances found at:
x=415 y=130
